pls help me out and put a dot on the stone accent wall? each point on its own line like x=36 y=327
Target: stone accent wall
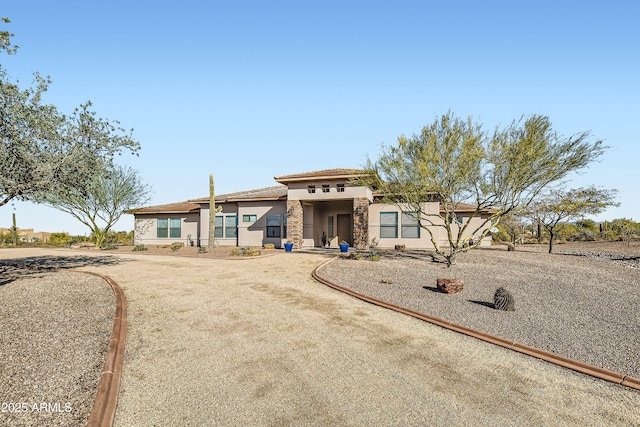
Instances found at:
x=294 y=222
x=361 y=223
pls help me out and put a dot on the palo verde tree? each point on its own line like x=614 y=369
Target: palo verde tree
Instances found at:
x=557 y=206
x=45 y=151
x=101 y=203
x=454 y=162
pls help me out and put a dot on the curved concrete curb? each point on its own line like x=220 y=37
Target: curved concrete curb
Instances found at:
x=104 y=405
x=566 y=362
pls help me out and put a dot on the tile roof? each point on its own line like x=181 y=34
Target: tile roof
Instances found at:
x=178 y=207
x=325 y=173
x=268 y=193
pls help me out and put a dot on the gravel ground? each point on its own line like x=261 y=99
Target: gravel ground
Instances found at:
x=55 y=330
x=258 y=342
x=584 y=307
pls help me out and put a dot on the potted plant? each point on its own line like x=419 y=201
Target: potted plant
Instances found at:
x=344 y=246
x=288 y=246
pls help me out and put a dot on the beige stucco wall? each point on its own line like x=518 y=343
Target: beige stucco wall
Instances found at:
x=299 y=191
x=146 y=229
x=424 y=241
x=255 y=233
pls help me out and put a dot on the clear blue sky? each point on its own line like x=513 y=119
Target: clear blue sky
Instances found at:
x=248 y=90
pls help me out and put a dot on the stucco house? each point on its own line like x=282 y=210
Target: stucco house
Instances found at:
x=311 y=209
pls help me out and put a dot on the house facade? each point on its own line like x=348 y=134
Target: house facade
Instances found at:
x=312 y=209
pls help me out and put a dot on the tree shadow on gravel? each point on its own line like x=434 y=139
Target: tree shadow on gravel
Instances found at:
x=12 y=269
x=417 y=254
x=484 y=304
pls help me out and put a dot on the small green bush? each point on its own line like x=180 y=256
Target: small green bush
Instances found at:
x=59 y=239
x=176 y=246
x=202 y=250
x=139 y=248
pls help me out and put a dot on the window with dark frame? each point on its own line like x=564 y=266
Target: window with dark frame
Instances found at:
x=273 y=226
x=388 y=225
x=174 y=227
x=325 y=188
x=218 y=232
x=410 y=227
x=230 y=226
x=284 y=225
x=330 y=232
x=249 y=218
x=340 y=188
x=163 y=227
x=311 y=188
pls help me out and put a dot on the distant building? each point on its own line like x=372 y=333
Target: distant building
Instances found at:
x=27 y=235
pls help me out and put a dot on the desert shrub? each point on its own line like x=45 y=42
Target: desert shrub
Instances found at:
x=246 y=251
x=176 y=246
x=59 y=239
x=503 y=300
x=202 y=250
x=139 y=248
x=108 y=247
x=355 y=255
x=269 y=246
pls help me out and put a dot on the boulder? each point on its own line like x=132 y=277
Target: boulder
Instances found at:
x=449 y=286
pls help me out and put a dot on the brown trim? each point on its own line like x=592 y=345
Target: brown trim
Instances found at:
x=547 y=356
x=106 y=401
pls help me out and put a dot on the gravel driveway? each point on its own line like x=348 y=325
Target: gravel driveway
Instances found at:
x=258 y=342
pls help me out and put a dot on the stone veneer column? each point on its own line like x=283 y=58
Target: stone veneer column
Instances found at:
x=361 y=223
x=294 y=222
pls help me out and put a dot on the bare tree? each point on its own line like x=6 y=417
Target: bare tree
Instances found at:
x=106 y=197
x=557 y=206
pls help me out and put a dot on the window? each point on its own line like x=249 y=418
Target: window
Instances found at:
x=284 y=217
x=330 y=232
x=169 y=227
x=388 y=225
x=163 y=227
x=273 y=225
x=226 y=226
x=311 y=188
x=410 y=227
x=340 y=188
x=174 y=227
x=249 y=218
x=218 y=230
x=325 y=188
x=231 y=226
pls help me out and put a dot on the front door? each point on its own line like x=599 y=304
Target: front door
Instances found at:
x=345 y=222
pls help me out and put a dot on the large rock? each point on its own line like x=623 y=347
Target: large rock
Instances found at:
x=449 y=286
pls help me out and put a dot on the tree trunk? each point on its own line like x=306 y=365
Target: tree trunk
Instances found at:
x=551 y=241
x=539 y=233
x=451 y=258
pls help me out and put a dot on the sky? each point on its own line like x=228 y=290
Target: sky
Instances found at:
x=249 y=90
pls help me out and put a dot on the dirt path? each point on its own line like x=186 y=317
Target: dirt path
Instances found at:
x=259 y=342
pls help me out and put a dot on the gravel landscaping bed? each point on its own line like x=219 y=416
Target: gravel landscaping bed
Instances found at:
x=54 y=329
x=584 y=307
